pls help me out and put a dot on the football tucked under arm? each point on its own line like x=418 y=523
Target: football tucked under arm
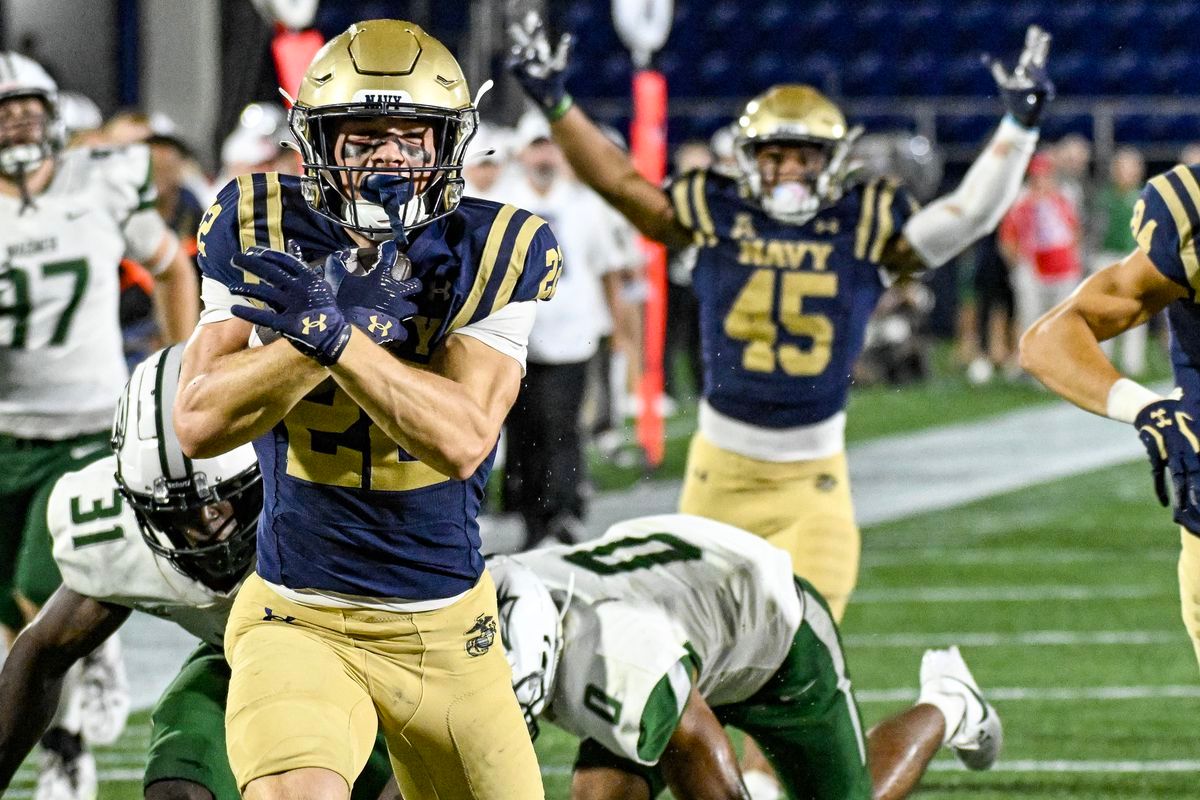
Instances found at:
x=949 y=224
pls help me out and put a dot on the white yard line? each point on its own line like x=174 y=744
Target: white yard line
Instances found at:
x=883 y=557
x=1180 y=765
x=1012 y=594
x=1058 y=693
x=1023 y=638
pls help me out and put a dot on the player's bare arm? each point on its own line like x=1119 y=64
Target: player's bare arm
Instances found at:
x=1062 y=349
x=598 y=162
x=230 y=394
x=448 y=416
x=176 y=290
x=606 y=168
x=699 y=761
x=69 y=627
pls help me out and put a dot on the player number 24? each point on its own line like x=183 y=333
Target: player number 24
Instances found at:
x=754 y=320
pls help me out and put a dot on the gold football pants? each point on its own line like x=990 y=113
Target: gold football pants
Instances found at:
x=1189 y=585
x=803 y=507
x=311 y=685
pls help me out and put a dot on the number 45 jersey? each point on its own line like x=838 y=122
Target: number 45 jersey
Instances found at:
x=655 y=606
x=347 y=513
x=784 y=307
x=60 y=339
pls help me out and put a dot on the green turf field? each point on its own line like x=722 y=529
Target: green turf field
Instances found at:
x=1064 y=598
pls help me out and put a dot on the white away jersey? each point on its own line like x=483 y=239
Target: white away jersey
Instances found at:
x=60 y=340
x=654 y=602
x=101 y=554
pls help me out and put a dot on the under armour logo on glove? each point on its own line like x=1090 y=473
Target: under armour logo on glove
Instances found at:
x=300 y=305
x=1166 y=431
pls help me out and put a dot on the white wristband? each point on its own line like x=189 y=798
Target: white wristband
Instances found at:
x=1126 y=398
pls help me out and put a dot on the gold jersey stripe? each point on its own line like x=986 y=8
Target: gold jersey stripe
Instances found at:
x=866 y=217
x=679 y=199
x=700 y=203
x=516 y=264
x=274 y=212
x=245 y=214
x=487 y=262
x=886 y=195
x=245 y=211
x=1183 y=225
x=1187 y=247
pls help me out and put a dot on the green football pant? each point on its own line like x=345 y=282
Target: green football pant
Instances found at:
x=804 y=718
x=29 y=469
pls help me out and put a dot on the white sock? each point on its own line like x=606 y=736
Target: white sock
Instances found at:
x=761 y=786
x=952 y=706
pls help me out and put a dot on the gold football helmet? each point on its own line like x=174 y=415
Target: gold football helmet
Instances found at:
x=794 y=114
x=382 y=68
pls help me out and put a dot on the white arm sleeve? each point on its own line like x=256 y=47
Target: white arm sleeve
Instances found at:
x=946 y=226
x=506 y=330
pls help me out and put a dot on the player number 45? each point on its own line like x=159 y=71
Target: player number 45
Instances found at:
x=753 y=319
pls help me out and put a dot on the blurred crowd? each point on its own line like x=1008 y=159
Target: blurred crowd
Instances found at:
x=1072 y=219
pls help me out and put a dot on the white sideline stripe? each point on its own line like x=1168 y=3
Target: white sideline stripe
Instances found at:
x=987 y=556
x=1013 y=594
x=1009 y=639
x=1181 y=765
x=1068 y=693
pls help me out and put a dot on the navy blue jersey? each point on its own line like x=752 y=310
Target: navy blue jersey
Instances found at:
x=345 y=509
x=784 y=307
x=1165 y=220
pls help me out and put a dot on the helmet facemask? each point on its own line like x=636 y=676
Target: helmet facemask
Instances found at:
x=222 y=521
x=332 y=187
x=796 y=202
x=21 y=154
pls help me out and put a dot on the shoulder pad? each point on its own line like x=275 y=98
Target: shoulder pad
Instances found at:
x=1164 y=224
x=92 y=528
x=699 y=200
x=884 y=207
x=248 y=212
x=126 y=173
x=517 y=260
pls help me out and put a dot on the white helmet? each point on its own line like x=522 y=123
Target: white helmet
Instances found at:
x=531 y=630
x=21 y=76
x=170 y=492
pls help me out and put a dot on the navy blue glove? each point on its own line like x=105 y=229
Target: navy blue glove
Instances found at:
x=540 y=70
x=1165 y=429
x=300 y=305
x=1028 y=88
x=393 y=192
x=378 y=303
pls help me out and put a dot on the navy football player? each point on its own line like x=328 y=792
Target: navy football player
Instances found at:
x=196 y=520
x=791 y=262
x=375 y=414
x=1062 y=349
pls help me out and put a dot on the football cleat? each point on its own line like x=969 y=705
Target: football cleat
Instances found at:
x=104 y=690
x=978 y=736
x=67 y=772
